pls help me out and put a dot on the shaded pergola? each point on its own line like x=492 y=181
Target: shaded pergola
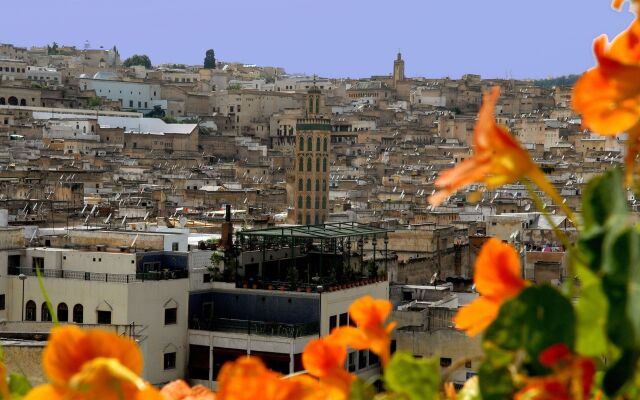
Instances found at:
x=322 y=247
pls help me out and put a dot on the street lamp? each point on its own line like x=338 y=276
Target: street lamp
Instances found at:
x=23 y=278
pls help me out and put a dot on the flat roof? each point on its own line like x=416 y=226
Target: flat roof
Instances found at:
x=321 y=231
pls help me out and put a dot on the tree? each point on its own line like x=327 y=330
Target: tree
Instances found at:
x=170 y=119
x=53 y=49
x=210 y=59
x=157 y=112
x=138 y=60
x=94 y=102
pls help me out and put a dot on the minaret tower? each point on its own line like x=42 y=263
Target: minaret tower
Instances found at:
x=398 y=70
x=313 y=146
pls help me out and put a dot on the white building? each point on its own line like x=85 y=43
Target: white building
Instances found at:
x=44 y=74
x=105 y=279
x=138 y=96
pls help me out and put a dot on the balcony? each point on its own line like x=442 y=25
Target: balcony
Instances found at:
x=255 y=327
x=102 y=276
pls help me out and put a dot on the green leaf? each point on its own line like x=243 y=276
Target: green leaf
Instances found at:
x=19 y=386
x=360 y=390
x=591 y=312
x=495 y=383
x=603 y=199
x=535 y=320
x=418 y=379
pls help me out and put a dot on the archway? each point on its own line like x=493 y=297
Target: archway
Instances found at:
x=23 y=102
x=13 y=101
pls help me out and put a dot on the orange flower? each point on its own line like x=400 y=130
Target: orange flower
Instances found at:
x=608 y=96
x=572 y=377
x=325 y=359
x=4 y=388
x=371 y=333
x=248 y=378
x=498 y=159
x=180 y=390
x=497 y=279
x=91 y=364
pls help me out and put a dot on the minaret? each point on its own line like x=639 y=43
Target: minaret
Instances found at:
x=398 y=70
x=313 y=145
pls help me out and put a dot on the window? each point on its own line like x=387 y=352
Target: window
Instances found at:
x=317 y=165
x=324 y=165
x=325 y=144
x=63 y=312
x=324 y=202
x=2 y=301
x=299 y=201
x=301 y=165
x=170 y=316
x=318 y=144
x=104 y=317
x=78 y=312
x=301 y=144
x=44 y=312
x=317 y=185
x=468 y=364
x=300 y=185
x=309 y=184
x=309 y=164
x=206 y=278
x=169 y=360
x=37 y=262
x=362 y=359
x=445 y=362
x=324 y=185
x=317 y=202
x=308 y=203
x=309 y=144
x=30 y=311
x=343 y=319
x=174 y=246
x=130 y=103
x=352 y=362
x=333 y=322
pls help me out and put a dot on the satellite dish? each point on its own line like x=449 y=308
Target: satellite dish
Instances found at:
x=527 y=207
x=183 y=220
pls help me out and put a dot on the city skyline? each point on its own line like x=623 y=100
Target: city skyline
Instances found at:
x=358 y=40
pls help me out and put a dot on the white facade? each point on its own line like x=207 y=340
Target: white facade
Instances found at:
x=44 y=74
x=131 y=95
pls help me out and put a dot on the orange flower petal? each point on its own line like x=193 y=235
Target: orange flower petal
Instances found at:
x=70 y=347
x=476 y=316
x=45 y=392
x=497 y=271
x=322 y=357
x=180 y=390
x=368 y=312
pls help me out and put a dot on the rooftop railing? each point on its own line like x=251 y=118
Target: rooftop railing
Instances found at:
x=255 y=327
x=102 y=276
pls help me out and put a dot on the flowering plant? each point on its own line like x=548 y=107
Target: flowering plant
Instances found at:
x=579 y=341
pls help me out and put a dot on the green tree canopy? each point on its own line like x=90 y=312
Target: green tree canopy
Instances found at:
x=138 y=60
x=210 y=59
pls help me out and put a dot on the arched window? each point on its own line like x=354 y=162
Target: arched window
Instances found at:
x=324 y=185
x=308 y=202
x=301 y=143
x=324 y=165
x=78 y=314
x=317 y=202
x=309 y=164
x=318 y=144
x=309 y=184
x=324 y=202
x=23 y=102
x=301 y=165
x=63 y=312
x=310 y=104
x=299 y=201
x=13 y=101
x=325 y=145
x=317 y=185
x=44 y=312
x=2 y=101
x=318 y=106
x=300 y=185
x=30 y=311
x=309 y=144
